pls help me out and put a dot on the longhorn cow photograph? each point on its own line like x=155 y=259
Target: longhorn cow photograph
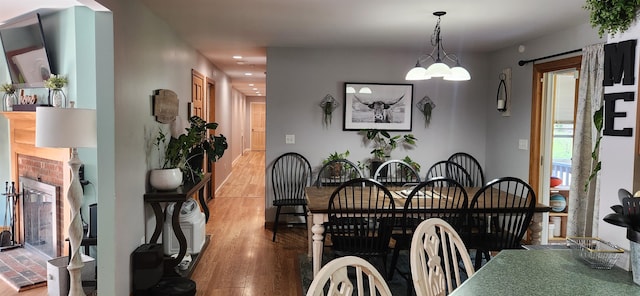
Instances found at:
x=378 y=106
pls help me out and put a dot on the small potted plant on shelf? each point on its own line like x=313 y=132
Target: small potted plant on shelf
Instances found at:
x=55 y=83
x=9 y=98
x=384 y=144
x=186 y=151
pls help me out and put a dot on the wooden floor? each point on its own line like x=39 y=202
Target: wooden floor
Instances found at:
x=240 y=260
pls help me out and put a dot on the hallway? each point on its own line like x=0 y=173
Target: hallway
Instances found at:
x=241 y=259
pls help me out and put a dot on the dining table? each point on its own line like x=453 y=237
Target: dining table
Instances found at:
x=318 y=206
x=545 y=272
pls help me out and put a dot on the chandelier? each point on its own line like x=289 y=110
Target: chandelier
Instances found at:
x=438 y=68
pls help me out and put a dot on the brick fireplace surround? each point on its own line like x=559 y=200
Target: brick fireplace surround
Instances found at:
x=47 y=165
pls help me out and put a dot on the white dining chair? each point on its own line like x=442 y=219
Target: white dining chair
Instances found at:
x=334 y=279
x=436 y=250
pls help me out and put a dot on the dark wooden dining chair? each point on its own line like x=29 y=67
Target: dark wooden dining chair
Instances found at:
x=361 y=217
x=471 y=165
x=451 y=170
x=396 y=172
x=501 y=212
x=438 y=197
x=336 y=172
x=290 y=174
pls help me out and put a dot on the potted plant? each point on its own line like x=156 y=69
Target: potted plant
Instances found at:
x=612 y=16
x=187 y=151
x=627 y=215
x=416 y=166
x=336 y=169
x=384 y=144
x=55 y=83
x=9 y=98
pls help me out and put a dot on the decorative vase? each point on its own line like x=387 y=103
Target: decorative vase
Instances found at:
x=165 y=179
x=58 y=98
x=8 y=100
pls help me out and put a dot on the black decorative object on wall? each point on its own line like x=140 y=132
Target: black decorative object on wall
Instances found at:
x=328 y=105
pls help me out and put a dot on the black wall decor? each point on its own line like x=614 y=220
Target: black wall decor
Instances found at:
x=619 y=59
x=610 y=114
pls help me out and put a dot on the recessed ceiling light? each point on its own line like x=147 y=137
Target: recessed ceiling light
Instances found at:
x=248 y=74
x=255 y=88
x=250 y=84
x=237 y=57
x=240 y=62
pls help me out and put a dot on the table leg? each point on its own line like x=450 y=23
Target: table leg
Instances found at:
x=203 y=205
x=318 y=244
x=157 y=210
x=536 y=228
x=182 y=240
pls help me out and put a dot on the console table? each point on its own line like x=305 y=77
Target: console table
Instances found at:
x=179 y=196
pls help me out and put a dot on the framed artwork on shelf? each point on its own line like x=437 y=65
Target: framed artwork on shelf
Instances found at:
x=377 y=106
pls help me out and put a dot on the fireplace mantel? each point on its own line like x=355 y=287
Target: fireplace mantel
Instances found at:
x=22 y=139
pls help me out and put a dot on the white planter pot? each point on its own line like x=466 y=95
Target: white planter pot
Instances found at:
x=165 y=179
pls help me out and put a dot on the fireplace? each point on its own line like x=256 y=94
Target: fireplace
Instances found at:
x=39 y=206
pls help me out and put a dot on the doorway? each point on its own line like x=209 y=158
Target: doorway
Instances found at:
x=555 y=92
x=258 y=131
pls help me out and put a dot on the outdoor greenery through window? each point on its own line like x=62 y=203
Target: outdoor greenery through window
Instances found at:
x=562 y=149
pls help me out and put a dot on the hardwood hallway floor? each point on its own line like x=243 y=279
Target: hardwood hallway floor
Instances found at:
x=241 y=259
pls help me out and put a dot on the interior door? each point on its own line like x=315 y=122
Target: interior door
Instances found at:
x=197 y=94
x=553 y=113
x=258 y=122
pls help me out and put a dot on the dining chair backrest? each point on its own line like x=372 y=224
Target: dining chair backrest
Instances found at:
x=396 y=172
x=336 y=172
x=502 y=211
x=361 y=217
x=435 y=198
x=471 y=165
x=451 y=170
x=435 y=254
x=335 y=279
x=290 y=174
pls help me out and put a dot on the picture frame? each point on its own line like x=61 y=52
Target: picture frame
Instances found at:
x=378 y=106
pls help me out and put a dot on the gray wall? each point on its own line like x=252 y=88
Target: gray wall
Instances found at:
x=503 y=157
x=300 y=78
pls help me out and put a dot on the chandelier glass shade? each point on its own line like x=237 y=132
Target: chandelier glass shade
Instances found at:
x=437 y=55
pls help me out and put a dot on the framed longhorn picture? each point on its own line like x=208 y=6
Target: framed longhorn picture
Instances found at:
x=377 y=106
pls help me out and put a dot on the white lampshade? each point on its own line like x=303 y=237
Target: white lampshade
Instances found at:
x=351 y=90
x=438 y=69
x=65 y=127
x=365 y=90
x=458 y=73
x=417 y=73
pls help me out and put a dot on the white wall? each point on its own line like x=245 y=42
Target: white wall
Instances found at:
x=617 y=154
x=300 y=78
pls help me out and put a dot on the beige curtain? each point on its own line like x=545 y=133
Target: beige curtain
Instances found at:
x=583 y=213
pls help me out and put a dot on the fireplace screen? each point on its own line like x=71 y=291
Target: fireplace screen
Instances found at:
x=39 y=204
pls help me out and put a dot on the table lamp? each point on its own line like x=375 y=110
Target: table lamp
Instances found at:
x=69 y=128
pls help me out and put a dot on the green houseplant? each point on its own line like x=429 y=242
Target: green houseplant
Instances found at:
x=383 y=144
x=337 y=168
x=413 y=164
x=187 y=151
x=612 y=16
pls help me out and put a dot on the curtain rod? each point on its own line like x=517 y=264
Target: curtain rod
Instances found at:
x=524 y=62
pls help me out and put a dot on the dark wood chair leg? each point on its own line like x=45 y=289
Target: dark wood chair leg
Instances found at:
x=275 y=224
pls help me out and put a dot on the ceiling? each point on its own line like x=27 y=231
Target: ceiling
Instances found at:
x=221 y=29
